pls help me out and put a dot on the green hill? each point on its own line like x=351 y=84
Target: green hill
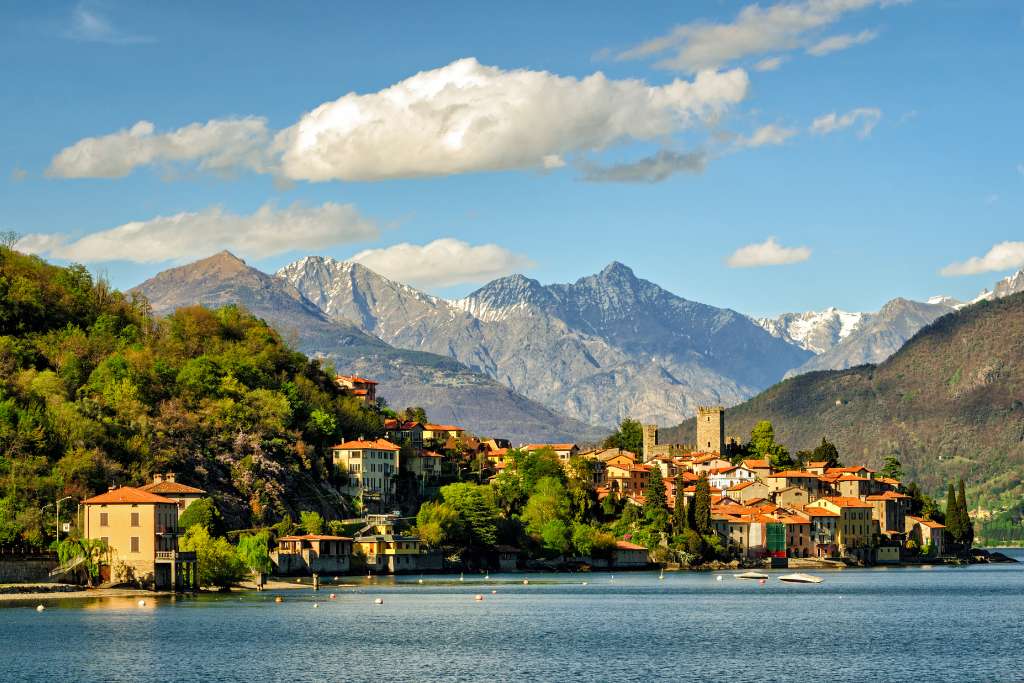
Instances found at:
x=949 y=404
x=95 y=390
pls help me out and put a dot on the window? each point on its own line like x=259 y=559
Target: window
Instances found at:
x=135 y=544
x=104 y=521
x=135 y=519
x=106 y=540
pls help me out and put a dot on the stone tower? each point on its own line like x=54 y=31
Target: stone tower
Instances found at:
x=711 y=429
x=650 y=441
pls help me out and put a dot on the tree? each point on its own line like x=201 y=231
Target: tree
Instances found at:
x=414 y=414
x=8 y=238
x=312 y=522
x=966 y=525
x=826 y=451
x=439 y=524
x=763 y=445
x=655 y=505
x=609 y=506
x=702 y=506
x=892 y=468
x=548 y=502
x=680 y=519
x=219 y=564
x=253 y=551
x=953 y=516
x=202 y=512
x=628 y=437
x=476 y=508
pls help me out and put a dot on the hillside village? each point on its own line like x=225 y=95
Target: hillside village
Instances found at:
x=668 y=504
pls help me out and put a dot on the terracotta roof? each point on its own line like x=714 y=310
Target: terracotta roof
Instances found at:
x=792 y=474
x=394 y=424
x=553 y=446
x=354 y=379
x=443 y=428
x=360 y=392
x=626 y=545
x=817 y=463
x=126 y=495
x=741 y=485
x=795 y=519
x=847 y=502
x=362 y=444
x=931 y=524
x=819 y=512
x=852 y=477
x=721 y=470
x=888 y=480
x=756 y=464
x=170 y=487
x=314 y=537
x=888 y=495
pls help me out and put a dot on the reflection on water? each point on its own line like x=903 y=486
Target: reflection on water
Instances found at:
x=893 y=624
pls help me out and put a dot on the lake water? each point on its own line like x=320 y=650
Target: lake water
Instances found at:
x=906 y=624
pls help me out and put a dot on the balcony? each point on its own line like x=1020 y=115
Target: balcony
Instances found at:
x=172 y=555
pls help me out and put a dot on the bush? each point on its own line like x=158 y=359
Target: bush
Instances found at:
x=219 y=564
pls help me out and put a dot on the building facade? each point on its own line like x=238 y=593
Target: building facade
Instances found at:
x=711 y=429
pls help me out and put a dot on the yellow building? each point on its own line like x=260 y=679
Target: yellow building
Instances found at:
x=389 y=553
x=854 y=527
x=371 y=468
x=140 y=530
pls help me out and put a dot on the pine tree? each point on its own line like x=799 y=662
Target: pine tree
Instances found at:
x=966 y=526
x=702 y=505
x=655 y=503
x=953 y=516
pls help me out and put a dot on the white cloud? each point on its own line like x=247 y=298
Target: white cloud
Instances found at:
x=831 y=122
x=767 y=135
x=1003 y=256
x=769 y=64
x=18 y=174
x=767 y=253
x=219 y=145
x=468 y=117
x=652 y=169
x=461 y=118
x=187 y=236
x=89 y=26
x=841 y=42
x=443 y=262
x=756 y=30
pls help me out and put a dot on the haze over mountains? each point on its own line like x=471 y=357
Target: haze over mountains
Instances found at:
x=533 y=361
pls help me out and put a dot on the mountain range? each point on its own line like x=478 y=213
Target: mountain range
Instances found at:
x=949 y=404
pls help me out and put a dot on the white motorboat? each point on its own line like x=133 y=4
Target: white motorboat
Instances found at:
x=751 y=575
x=800 y=578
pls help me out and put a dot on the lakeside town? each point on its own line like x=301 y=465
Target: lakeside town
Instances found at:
x=433 y=498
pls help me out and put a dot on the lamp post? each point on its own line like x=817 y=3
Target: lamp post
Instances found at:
x=58 y=515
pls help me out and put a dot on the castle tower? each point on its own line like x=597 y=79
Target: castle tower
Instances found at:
x=711 y=429
x=650 y=441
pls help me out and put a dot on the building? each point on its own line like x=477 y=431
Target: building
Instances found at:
x=401 y=432
x=799 y=478
x=853 y=486
x=628 y=554
x=508 y=557
x=564 y=451
x=727 y=477
x=791 y=496
x=166 y=485
x=854 y=528
x=369 y=468
x=760 y=468
x=824 y=524
x=389 y=553
x=140 y=530
x=747 y=491
x=890 y=509
x=799 y=537
x=928 y=534
x=711 y=429
x=312 y=554
x=442 y=432
x=360 y=387
x=628 y=480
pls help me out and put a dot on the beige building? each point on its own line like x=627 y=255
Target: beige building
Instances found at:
x=140 y=530
x=564 y=451
x=371 y=468
x=360 y=387
x=783 y=480
x=312 y=554
x=854 y=527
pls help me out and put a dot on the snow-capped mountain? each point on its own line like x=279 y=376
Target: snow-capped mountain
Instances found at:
x=816 y=331
x=1011 y=284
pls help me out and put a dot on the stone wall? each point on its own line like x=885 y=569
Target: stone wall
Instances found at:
x=28 y=570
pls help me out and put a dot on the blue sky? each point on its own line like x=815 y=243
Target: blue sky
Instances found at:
x=708 y=135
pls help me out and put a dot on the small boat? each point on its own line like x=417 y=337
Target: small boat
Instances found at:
x=800 y=578
x=751 y=575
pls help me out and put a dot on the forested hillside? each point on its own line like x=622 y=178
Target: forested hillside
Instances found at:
x=949 y=405
x=94 y=390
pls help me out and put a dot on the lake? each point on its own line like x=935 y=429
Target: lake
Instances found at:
x=897 y=624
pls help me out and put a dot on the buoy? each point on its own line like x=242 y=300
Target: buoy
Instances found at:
x=379 y=601
x=526 y=582
x=478 y=597
x=420 y=581
x=298 y=580
x=315 y=605
x=142 y=603
x=461 y=577
x=40 y=608
x=487 y=578
x=332 y=596
x=584 y=583
x=718 y=578
x=761 y=582
x=278 y=599
x=494 y=592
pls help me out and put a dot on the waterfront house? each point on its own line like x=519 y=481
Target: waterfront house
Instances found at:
x=799 y=537
x=824 y=528
x=389 y=553
x=167 y=486
x=140 y=530
x=926 y=533
x=628 y=554
x=312 y=554
x=508 y=557
x=360 y=387
x=854 y=527
x=369 y=468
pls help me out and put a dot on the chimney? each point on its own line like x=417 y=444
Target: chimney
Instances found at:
x=158 y=478
x=170 y=477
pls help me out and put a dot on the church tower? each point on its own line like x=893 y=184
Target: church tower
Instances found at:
x=650 y=441
x=711 y=429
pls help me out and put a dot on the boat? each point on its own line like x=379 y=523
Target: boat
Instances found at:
x=751 y=575
x=800 y=578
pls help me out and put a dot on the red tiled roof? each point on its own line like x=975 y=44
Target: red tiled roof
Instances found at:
x=355 y=379
x=626 y=545
x=819 y=512
x=756 y=464
x=362 y=444
x=847 y=502
x=793 y=474
x=817 y=463
x=443 y=428
x=741 y=485
x=126 y=495
x=852 y=477
x=393 y=424
x=170 y=488
x=931 y=524
x=314 y=537
x=888 y=495
x=553 y=446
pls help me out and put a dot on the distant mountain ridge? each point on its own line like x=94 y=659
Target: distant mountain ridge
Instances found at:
x=607 y=346
x=816 y=331
x=449 y=391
